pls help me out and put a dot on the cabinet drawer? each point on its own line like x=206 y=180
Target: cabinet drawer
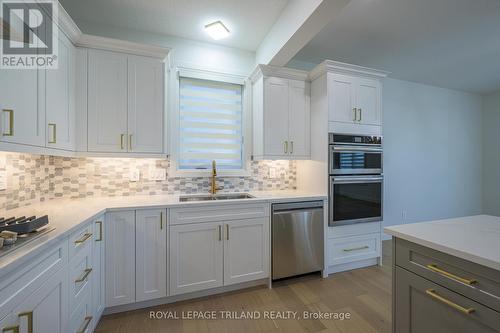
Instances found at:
x=79 y=239
x=477 y=282
x=422 y=306
x=81 y=321
x=80 y=273
x=356 y=229
x=15 y=287
x=349 y=249
x=217 y=213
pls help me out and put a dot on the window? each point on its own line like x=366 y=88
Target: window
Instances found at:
x=210 y=124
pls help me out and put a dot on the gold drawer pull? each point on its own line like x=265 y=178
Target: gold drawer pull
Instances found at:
x=10 y=132
x=85 y=274
x=29 y=315
x=436 y=269
x=357 y=248
x=100 y=231
x=13 y=329
x=433 y=294
x=83 y=239
x=54 y=133
x=85 y=324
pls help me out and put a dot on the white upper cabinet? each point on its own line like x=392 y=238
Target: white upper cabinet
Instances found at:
x=22 y=105
x=125 y=103
x=107 y=101
x=354 y=96
x=145 y=105
x=281 y=113
x=60 y=98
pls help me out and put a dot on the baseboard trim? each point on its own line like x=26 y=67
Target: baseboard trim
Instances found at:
x=352 y=265
x=184 y=297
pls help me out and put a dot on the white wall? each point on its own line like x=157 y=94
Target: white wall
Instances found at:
x=491 y=154
x=187 y=53
x=432 y=152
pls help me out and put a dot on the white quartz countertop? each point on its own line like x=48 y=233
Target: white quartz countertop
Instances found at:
x=66 y=215
x=473 y=238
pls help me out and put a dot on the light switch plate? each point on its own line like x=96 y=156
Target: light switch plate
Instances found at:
x=134 y=175
x=3 y=180
x=272 y=173
x=158 y=174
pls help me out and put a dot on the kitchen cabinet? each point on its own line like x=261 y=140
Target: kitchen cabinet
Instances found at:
x=60 y=98
x=246 y=250
x=125 y=103
x=145 y=105
x=151 y=254
x=354 y=100
x=46 y=310
x=196 y=257
x=107 y=101
x=281 y=113
x=120 y=258
x=22 y=105
x=98 y=277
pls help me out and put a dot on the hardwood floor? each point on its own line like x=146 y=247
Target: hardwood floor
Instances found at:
x=364 y=293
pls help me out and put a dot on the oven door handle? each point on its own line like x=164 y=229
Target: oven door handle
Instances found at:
x=357 y=149
x=357 y=180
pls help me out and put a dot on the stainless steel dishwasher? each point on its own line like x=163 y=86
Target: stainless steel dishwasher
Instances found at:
x=297 y=238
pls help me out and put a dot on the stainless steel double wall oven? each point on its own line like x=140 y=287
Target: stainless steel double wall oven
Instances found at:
x=356 y=179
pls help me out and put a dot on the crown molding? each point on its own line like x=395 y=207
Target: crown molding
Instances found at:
x=117 y=45
x=283 y=72
x=67 y=25
x=330 y=66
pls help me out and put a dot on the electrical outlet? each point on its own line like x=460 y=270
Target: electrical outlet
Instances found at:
x=134 y=175
x=3 y=180
x=158 y=174
x=272 y=173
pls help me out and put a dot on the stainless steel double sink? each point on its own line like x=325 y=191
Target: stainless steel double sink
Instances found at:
x=190 y=198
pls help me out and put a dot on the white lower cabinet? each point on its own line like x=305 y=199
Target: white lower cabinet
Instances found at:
x=196 y=257
x=98 y=277
x=215 y=254
x=46 y=310
x=246 y=250
x=120 y=258
x=151 y=254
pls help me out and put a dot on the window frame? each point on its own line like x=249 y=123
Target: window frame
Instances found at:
x=246 y=125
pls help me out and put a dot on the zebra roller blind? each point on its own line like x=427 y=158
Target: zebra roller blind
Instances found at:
x=210 y=121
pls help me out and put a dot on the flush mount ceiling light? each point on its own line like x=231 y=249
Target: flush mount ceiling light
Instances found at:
x=217 y=30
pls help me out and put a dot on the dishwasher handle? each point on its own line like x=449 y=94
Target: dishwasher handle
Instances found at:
x=305 y=205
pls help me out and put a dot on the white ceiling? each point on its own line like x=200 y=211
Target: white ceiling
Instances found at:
x=248 y=20
x=447 y=43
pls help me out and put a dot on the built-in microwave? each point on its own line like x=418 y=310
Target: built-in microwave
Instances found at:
x=355 y=155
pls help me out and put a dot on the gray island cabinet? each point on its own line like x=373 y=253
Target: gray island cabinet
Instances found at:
x=441 y=287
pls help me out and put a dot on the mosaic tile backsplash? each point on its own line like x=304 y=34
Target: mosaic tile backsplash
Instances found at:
x=34 y=178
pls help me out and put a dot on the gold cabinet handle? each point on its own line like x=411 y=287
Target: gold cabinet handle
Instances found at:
x=220 y=232
x=13 y=329
x=100 y=231
x=436 y=269
x=432 y=293
x=356 y=248
x=85 y=274
x=54 y=131
x=83 y=239
x=355 y=111
x=360 y=114
x=227 y=231
x=285 y=147
x=161 y=220
x=130 y=142
x=11 y=124
x=29 y=315
x=291 y=147
x=122 y=136
x=85 y=324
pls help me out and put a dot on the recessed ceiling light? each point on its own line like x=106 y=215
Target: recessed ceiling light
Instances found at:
x=217 y=30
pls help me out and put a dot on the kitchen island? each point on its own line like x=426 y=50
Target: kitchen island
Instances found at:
x=446 y=275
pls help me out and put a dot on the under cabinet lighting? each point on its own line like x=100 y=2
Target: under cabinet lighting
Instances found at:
x=217 y=30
